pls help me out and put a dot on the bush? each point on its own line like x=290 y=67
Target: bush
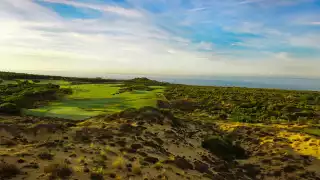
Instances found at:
x=14 y=97
x=61 y=171
x=10 y=108
x=66 y=90
x=8 y=170
x=223 y=147
x=45 y=156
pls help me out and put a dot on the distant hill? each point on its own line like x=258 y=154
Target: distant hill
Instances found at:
x=146 y=81
x=26 y=76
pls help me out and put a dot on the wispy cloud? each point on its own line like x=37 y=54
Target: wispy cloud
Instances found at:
x=165 y=37
x=250 y=1
x=314 y=23
x=272 y=3
x=99 y=7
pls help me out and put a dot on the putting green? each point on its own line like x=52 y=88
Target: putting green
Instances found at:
x=89 y=100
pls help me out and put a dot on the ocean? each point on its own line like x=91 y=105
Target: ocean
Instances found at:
x=226 y=81
x=238 y=81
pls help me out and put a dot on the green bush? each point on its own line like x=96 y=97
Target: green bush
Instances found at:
x=66 y=90
x=35 y=81
x=10 y=108
x=14 y=97
x=248 y=104
x=223 y=147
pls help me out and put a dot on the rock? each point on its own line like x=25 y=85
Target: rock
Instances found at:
x=150 y=159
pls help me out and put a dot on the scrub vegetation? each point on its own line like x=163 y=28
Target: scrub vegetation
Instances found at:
x=55 y=127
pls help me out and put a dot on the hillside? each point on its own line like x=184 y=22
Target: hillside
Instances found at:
x=151 y=144
x=143 y=129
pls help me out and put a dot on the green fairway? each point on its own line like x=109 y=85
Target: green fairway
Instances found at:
x=58 y=82
x=5 y=82
x=90 y=100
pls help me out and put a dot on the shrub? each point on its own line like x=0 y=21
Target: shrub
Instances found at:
x=158 y=165
x=57 y=170
x=119 y=163
x=97 y=174
x=10 y=108
x=45 y=156
x=223 y=147
x=35 y=81
x=66 y=90
x=136 y=167
x=8 y=170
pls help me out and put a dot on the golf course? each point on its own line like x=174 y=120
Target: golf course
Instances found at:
x=88 y=100
x=54 y=127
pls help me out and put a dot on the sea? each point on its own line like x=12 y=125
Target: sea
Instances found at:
x=287 y=83
x=272 y=82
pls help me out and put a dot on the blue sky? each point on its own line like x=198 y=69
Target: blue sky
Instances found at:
x=179 y=37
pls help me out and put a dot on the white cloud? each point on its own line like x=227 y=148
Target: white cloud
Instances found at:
x=306 y=40
x=103 y=8
x=316 y=23
x=205 y=46
x=272 y=3
x=39 y=39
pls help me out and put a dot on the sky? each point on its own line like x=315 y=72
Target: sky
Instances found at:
x=162 y=37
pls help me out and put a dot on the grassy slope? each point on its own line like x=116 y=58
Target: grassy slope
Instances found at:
x=93 y=99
